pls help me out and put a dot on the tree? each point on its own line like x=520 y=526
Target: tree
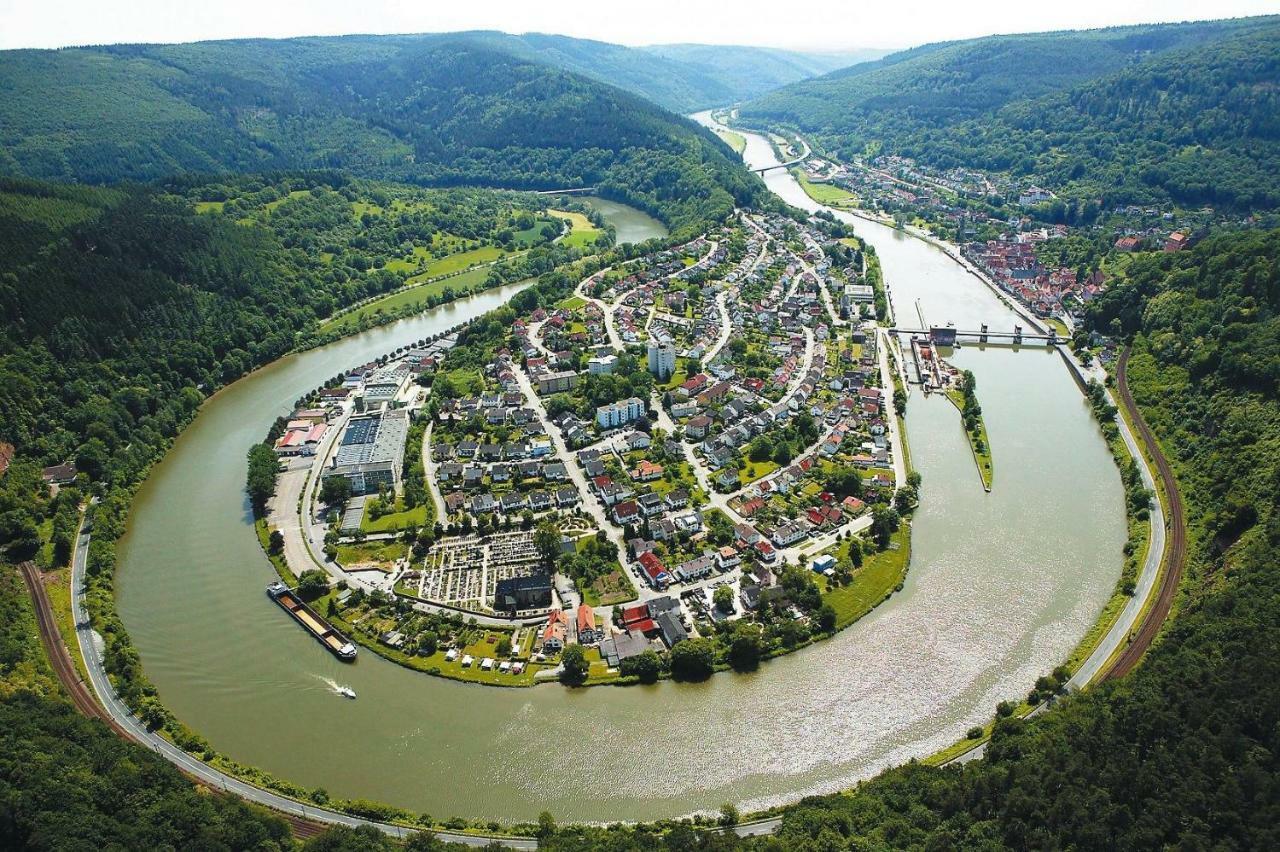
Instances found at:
x=728 y=815
x=261 y=478
x=693 y=659
x=723 y=598
x=574 y=665
x=546 y=824
x=335 y=490
x=546 y=538
x=884 y=523
x=647 y=666
x=826 y=618
x=275 y=542
x=746 y=646
x=312 y=584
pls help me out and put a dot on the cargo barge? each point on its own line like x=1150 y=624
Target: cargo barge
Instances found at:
x=328 y=636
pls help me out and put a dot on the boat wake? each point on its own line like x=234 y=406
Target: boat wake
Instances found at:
x=336 y=688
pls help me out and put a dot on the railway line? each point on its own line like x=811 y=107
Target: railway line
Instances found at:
x=1176 y=548
x=83 y=700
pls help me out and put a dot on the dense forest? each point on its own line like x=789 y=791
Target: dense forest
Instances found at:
x=434 y=110
x=1130 y=115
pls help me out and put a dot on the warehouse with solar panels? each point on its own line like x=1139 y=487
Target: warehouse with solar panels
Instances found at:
x=371 y=451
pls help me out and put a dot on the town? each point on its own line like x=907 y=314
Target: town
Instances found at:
x=698 y=445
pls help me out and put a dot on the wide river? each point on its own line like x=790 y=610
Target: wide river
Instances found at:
x=1001 y=587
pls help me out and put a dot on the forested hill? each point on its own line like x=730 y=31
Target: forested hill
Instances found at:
x=681 y=77
x=1130 y=114
x=439 y=110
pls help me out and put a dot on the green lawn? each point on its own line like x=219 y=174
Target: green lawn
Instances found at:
x=417 y=294
x=372 y=553
x=392 y=521
x=825 y=193
x=736 y=141
x=756 y=470
x=572 y=303
x=879 y=576
x=582 y=233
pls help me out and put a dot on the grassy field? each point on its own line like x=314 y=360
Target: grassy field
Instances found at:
x=880 y=575
x=756 y=470
x=379 y=554
x=57 y=586
x=417 y=294
x=736 y=141
x=610 y=589
x=394 y=521
x=825 y=193
x=582 y=233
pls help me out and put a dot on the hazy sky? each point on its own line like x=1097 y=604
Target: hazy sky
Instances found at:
x=818 y=24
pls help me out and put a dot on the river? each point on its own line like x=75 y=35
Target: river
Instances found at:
x=1001 y=587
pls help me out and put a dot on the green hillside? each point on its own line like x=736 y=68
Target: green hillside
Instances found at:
x=1129 y=113
x=438 y=110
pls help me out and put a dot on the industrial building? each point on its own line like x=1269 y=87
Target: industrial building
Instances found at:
x=371 y=451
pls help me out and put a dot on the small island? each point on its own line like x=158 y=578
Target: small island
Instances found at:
x=963 y=395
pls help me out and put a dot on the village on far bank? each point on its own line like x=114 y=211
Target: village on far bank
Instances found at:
x=1053 y=252
x=691 y=461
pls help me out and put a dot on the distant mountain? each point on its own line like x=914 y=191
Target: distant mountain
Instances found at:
x=1186 y=111
x=746 y=72
x=472 y=108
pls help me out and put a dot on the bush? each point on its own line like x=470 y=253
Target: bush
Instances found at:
x=975 y=733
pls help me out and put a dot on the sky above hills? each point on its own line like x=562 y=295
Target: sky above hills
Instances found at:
x=816 y=25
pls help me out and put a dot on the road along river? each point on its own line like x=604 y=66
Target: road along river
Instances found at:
x=1001 y=587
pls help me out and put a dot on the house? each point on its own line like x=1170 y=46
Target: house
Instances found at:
x=60 y=474
x=554 y=633
x=1177 y=241
x=655 y=573
x=671 y=628
x=513 y=501
x=539 y=501
x=646 y=471
x=677 y=499
x=746 y=534
x=787 y=534
x=626 y=512
x=567 y=497
x=455 y=502
x=586 y=626
x=727 y=557
x=823 y=564
x=622 y=646
x=697 y=427
x=650 y=504
x=482 y=504
x=638 y=441
x=765 y=552
x=695 y=569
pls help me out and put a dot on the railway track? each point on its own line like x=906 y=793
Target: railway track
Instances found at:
x=1176 y=547
x=82 y=698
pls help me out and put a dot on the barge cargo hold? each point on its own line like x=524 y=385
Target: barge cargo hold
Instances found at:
x=328 y=636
